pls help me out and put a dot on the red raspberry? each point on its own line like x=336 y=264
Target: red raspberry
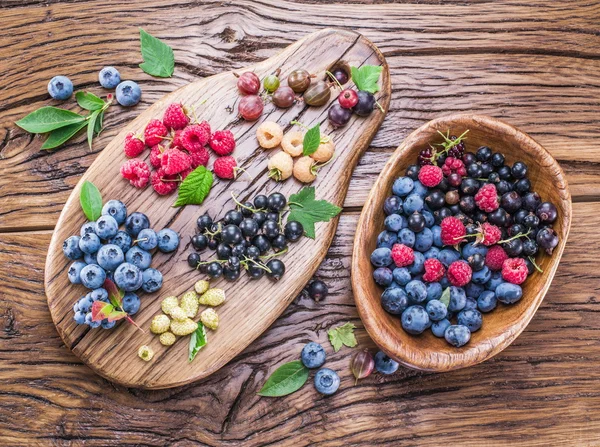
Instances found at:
x=489 y=234
x=487 y=198
x=402 y=255
x=134 y=145
x=459 y=273
x=222 y=142
x=155 y=155
x=195 y=137
x=154 y=133
x=514 y=270
x=200 y=157
x=225 y=167
x=175 y=161
x=452 y=231
x=434 y=270
x=454 y=165
x=175 y=117
x=162 y=183
x=136 y=171
x=185 y=173
x=495 y=257
x=176 y=142
x=430 y=175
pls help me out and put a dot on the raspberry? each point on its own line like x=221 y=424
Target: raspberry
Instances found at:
x=154 y=133
x=134 y=146
x=195 y=137
x=495 y=257
x=162 y=183
x=185 y=173
x=454 y=165
x=490 y=234
x=200 y=157
x=487 y=198
x=225 y=167
x=136 y=171
x=222 y=142
x=175 y=117
x=176 y=142
x=155 y=155
x=430 y=175
x=452 y=231
x=514 y=270
x=175 y=161
x=459 y=273
x=434 y=270
x=402 y=255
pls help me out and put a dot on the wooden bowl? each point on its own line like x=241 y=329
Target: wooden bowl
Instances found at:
x=501 y=326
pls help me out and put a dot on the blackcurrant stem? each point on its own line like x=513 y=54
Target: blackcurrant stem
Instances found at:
x=537 y=267
x=264 y=267
x=220 y=261
x=516 y=236
x=379 y=106
x=240 y=204
x=334 y=79
x=272 y=255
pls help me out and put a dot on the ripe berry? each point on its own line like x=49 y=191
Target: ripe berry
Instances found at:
x=416 y=222
x=413 y=172
x=193 y=260
x=519 y=170
x=225 y=167
x=546 y=212
x=279 y=242
x=426 y=157
x=317 y=290
x=204 y=222
x=531 y=201
x=271 y=83
x=214 y=270
x=248 y=83
x=136 y=171
x=293 y=231
x=284 y=97
x=154 y=132
x=199 y=242
x=459 y=273
x=513 y=247
x=483 y=153
x=348 y=98
x=531 y=221
x=175 y=117
x=530 y=248
x=231 y=234
x=477 y=262
x=262 y=243
x=503 y=187
x=547 y=239
x=474 y=171
x=276 y=201
x=504 y=172
x=452 y=231
x=514 y=271
x=222 y=142
x=270 y=229
x=251 y=107
x=299 y=80
x=339 y=116
x=341 y=75
x=133 y=146
x=522 y=186
x=469 y=187
x=256 y=270
x=497 y=160
x=498 y=217
x=511 y=202
x=468 y=158
x=193 y=138
x=277 y=269
x=435 y=200
x=365 y=104
x=430 y=176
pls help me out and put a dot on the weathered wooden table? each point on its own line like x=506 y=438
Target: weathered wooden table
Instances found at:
x=533 y=64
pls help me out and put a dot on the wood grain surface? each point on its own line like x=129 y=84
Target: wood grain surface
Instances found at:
x=532 y=64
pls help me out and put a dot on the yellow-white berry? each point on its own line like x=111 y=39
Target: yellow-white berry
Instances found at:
x=324 y=152
x=293 y=143
x=269 y=134
x=178 y=314
x=145 y=353
x=167 y=338
x=209 y=318
x=212 y=297
x=280 y=166
x=201 y=286
x=168 y=304
x=160 y=323
x=185 y=327
x=189 y=303
x=303 y=169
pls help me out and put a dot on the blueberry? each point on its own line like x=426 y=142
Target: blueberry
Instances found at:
x=60 y=87
x=327 y=381
x=89 y=243
x=436 y=310
x=412 y=203
x=105 y=324
x=71 y=248
x=436 y=230
x=401 y=275
x=394 y=222
x=403 y=186
x=128 y=277
x=79 y=317
x=135 y=223
x=444 y=283
x=470 y=318
x=495 y=281
x=386 y=239
x=383 y=276
x=74 y=272
x=110 y=256
x=473 y=290
x=471 y=304
x=424 y=240
x=109 y=77
x=392 y=204
x=88 y=227
x=486 y=301
x=384 y=364
x=482 y=276
x=381 y=257
x=152 y=280
x=92 y=276
x=419 y=189
x=434 y=291
x=407 y=237
x=429 y=219
x=85 y=303
x=128 y=93
x=417 y=266
x=416 y=291
x=457 y=335
x=147 y=239
x=439 y=327
x=116 y=209
x=458 y=299
x=90 y=258
x=394 y=300
x=433 y=252
x=313 y=355
x=415 y=320
x=168 y=240
x=138 y=257
x=121 y=240
x=448 y=255
x=99 y=294
x=131 y=303
x=508 y=293
x=89 y=322
x=470 y=249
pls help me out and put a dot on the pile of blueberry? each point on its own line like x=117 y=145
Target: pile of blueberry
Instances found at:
x=102 y=251
x=244 y=237
x=462 y=232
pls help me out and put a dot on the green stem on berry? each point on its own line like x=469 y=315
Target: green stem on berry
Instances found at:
x=516 y=236
x=298 y=123
x=272 y=255
x=537 y=267
x=259 y=265
x=379 y=106
x=212 y=234
x=241 y=205
x=448 y=143
x=140 y=240
x=334 y=79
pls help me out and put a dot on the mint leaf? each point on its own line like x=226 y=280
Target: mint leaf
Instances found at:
x=342 y=335
x=89 y=101
x=159 y=59
x=47 y=119
x=445 y=298
x=92 y=126
x=312 y=140
x=197 y=341
x=308 y=211
x=62 y=135
x=196 y=186
x=91 y=201
x=286 y=379
x=366 y=77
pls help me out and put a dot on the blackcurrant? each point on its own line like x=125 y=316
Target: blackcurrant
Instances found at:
x=293 y=230
x=435 y=200
x=511 y=201
x=252 y=252
x=441 y=214
x=214 y=270
x=262 y=243
x=204 y=222
x=365 y=104
x=513 y=247
x=519 y=216
x=477 y=262
x=467 y=204
x=416 y=222
x=193 y=260
x=516 y=229
x=277 y=269
x=504 y=172
x=546 y=212
x=249 y=227
x=486 y=169
x=339 y=116
x=547 y=239
x=483 y=153
x=469 y=186
x=503 y=187
x=531 y=201
x=279 y=242
x=519 y=170
x=273 y=217
x=497 y=160
x=413 y=172
x=230 y=273
x=531 y=221
x=530 y=248
x=260 y=217
x=231 y=234
x=246 y=209
x=474 y=170
x=468 y=158
x=480 y=216
x=498 y=217
x=238 y=250
x=255 y=271
x=522 y=186
x=340 y=74
x=233 y=217
x=261 y=202
x=199 y=242
x=276 y=202
x=270 y=229
x=213 y=243
x=317 y=290
x=223 y=251
x=493 y=177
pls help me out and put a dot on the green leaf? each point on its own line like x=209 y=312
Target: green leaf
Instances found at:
x=445 y=298
x=62 y=135
x=92 y=126
x=99 y=121
x=196 y=186
x=91 y=201
x=115 y=295
x=46 y=119
x=197 y=341
x=342 y=335
x=308 y=211
x=89 y=101
x=367 y=77
x=312 y=140
x=159 y=59
x=286 y=379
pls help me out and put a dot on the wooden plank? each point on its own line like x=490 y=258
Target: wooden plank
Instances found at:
x=542 y=390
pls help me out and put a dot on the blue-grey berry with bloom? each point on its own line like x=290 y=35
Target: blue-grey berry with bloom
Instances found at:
x=71 y=248
x=74 y=272
x=60 y=87
x=92 y=276
x=147 y=239
x=106 y=227
x=128 y=93
x=313 y=355
x=131 y=303
x=327 y=381
x=116 y=209
x=168 y=240
x=384 y=364
x=110 y=256
x=138 y=257
x=152 y=280
x=128 y=277
x=457 y=335
x=109 y=77
x=135 y=223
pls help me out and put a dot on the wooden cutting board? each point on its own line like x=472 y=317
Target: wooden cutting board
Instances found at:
x=251 y=306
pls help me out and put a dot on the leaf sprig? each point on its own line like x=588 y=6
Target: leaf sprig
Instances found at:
x=308 y=211
x=159 y=59
x=286 y=379
x=113 y=310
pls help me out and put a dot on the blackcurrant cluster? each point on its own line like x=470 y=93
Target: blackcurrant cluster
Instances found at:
x=350 y=101
x=243 y=239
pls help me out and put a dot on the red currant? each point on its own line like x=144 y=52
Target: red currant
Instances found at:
x=348 y=98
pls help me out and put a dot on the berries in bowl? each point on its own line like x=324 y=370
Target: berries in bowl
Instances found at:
x=458 y=242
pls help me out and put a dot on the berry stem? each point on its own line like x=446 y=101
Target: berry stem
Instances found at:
x=298 y=123
x=272 y=255
x=241 y=205
x=334 y=79
x=537 y=267
x=515 y=237
x=379 y=106
x=128 y=318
